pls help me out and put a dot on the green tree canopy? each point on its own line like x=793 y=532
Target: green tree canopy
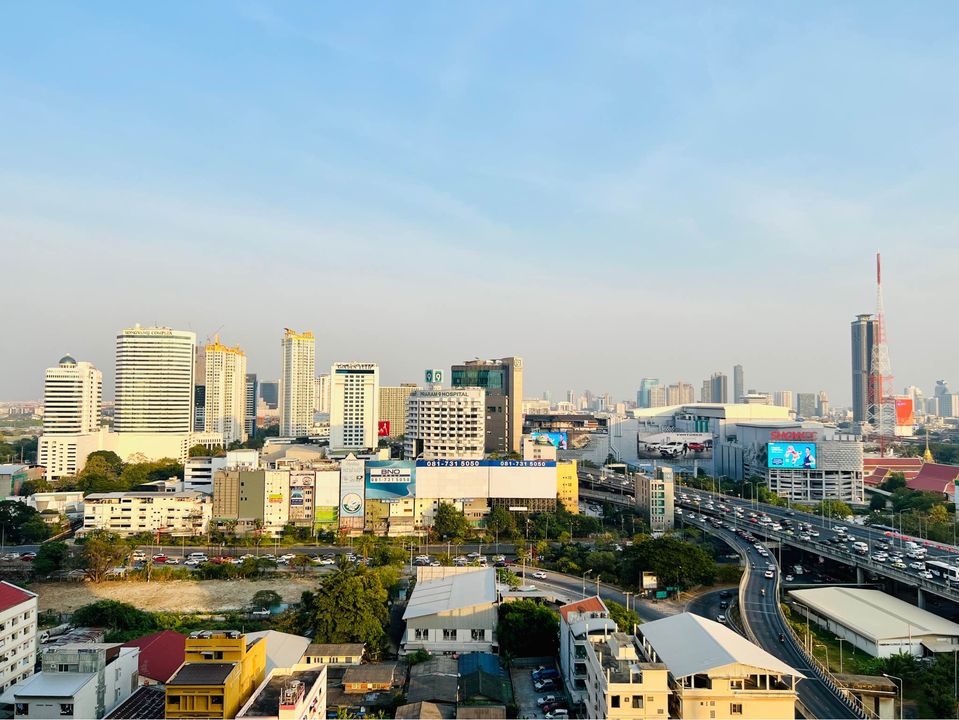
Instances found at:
x=527 y=628
x=50 y=558
x=21 y=524
x=625 y=619
x=118 y=617
x=99 y=476
x=150 y=471
x=266 y=599
x=109 y=457
x=674 y=562
x=501 y=522
x=450 y=523
x=893 y=481
x=102 y=551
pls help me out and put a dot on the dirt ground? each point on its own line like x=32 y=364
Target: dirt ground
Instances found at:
x=175 y=596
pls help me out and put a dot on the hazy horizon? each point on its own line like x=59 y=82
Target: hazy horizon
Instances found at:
x=610 y=192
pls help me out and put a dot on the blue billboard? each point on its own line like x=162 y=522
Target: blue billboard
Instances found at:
x=557 y=439
x=390 y=480
x=792 y=455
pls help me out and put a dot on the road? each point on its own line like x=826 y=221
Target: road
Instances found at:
x=572 y=587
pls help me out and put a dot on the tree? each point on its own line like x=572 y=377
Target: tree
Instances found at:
x=501 y=522
x=112 y=460
x=450 y=523
x=527 y=629
x=877 y=502
x=939 y=515
x=364 y=545
x=29 y=487
x=348 y=606
x=266 y=599
x=150 y=471
x=674 y=562
x=20 y=523
x=893 y=482
x=625 y=619
x=118 y=617
x=50 y=558
x=832 y=508
x=102 y=550
x=99 y=476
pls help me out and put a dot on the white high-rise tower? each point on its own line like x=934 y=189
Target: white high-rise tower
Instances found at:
x=297 y=383
x=225 y=403
x=72 y=393
x=154 y=382
x=354 y=405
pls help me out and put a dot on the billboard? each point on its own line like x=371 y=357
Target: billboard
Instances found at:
x=301 y=494
x=383 y=428
x=558 y=440
x=675 y=446
x=797 y=455
x=352 y=473
x=905 y=415
x=390 y=480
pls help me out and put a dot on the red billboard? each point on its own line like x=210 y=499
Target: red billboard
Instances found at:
x=383 y=428
x=904 y=412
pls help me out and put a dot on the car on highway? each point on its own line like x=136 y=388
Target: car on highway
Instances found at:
x=539 y=575
x=898 y=564
x=557 y=713
x=769 y=574
x=260 y=613
x=925 y=574
x=917 y=565
x=721 y=618
x=789 y=578
x=191 y=562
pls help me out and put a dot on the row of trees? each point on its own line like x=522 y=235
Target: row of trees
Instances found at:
x=451 y=524
x=21 y=524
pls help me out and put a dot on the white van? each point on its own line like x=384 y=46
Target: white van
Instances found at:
x=909 y=544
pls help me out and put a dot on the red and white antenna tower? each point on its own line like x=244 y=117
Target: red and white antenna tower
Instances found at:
x=881 y=411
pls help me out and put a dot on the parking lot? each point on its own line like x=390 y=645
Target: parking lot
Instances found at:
x=525 y=695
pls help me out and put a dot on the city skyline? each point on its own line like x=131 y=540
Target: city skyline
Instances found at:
x=760 y=173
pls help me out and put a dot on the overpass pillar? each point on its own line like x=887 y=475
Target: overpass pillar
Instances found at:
x=860 y=575
x=921 y=599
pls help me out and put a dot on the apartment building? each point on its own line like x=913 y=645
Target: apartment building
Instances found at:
x=225 y=393
x=446 y=424
x=221 y=671
x=129 y=513
x=297 y=383
x=18 y=634
x=354 y=405
x=295 y=693
x=654 y=499
x=393 y=409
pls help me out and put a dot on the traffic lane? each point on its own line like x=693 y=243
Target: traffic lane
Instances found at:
x=710 y=605
x=572 y=588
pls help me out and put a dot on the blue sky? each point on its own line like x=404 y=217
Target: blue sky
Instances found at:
x=610 y=191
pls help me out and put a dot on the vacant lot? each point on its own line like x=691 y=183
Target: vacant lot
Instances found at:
x=175 y=596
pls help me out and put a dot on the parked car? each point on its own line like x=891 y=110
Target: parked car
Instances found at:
x=539 y=575
x=260 y=613
x=546 y=700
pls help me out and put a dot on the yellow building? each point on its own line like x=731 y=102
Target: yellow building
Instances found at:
x=220 y=673
x=567 y=485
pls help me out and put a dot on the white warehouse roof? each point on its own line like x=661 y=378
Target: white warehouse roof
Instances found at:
x=689 y=644
x=873 y=614
x=449 y=593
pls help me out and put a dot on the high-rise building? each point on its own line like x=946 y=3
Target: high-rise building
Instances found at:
x=783 y=398
x=806 y=405
x=297 y=383
x=393 y=408
x=570 y=396
x=706 y=394
x=154 y=381
x=642 y=395
x=738 y=387
x=252 y=390
x=354 y=405
x=199 y=406
x=503 y=382
x=72 y=394
x=657 y=396
x=225 y=393
x=719 y=384
x=823 y=404
x=446 y=424
x=270 y=393
x=863 y=328
x=323 y=394
x=680 y=394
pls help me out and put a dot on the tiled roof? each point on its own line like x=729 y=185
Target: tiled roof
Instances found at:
x=147 y=703
x=11 y=595
x=935 y=478
x=161 y=654
x=591 y=604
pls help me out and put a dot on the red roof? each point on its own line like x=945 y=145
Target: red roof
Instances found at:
x=161 y=654
x=592 y=604
x=877 y=477
x=935 y=478
x=11 y=595
x=909 y=467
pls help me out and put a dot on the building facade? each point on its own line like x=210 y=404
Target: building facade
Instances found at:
x=72 y=395
x=154 y=381
x=297 y=383
x=323 y=394
x=393 y=408
x=503 y=382
x=354 y=406
x=225 y=398
x=129 y=513
x=252 y=391
x=655 y=498
x=446 y=424
x=719 y=387
x=739 y=387
x=18 y=633
x=862 y=330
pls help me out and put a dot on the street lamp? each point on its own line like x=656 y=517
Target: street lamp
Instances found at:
x=900 y=688
x=584 y=582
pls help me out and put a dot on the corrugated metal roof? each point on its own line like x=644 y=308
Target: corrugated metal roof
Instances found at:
x=874 y=614
x=689 y=644
x=449 y=593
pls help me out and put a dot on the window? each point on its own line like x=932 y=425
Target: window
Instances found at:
x=735 y=708
x=66 y=709
x=638 y=701
x=216 y=700
x=421 y=634
x=21 y=709
x=736 y=684
x=449 y=634
x=478 y=634
x=173 y=699
x=614 y=701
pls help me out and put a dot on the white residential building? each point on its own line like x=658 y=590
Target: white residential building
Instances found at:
x=446 y=424
x=451 y=610
x=354 y=405
x=78 y=680
x=154 y=381
x=323 y=394
x=655 y=498
x=129 y=513
x=72 y=393
x=18 y=633
x=297 y=383
x=252 y=390
x=226 y=392
x=65 y=455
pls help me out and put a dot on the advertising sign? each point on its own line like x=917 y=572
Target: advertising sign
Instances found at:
x=352 y=472
x=557 y=439
x=433 y=376
x=675 y=445
x=796 y=455
x=650 y=581
x=383 y=428
x=905 y=412
x=390 y=480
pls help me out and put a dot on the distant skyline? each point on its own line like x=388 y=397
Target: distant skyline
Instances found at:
x=611 y=193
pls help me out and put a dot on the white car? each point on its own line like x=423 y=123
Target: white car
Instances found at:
x=926 y=575
x=287 y=557
x=172 y=561
x=192 y=562
x=539 y=575
x=324 y=561
x=769 y=574
x=917 y=565
x=789 y=578
x=721 y=618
